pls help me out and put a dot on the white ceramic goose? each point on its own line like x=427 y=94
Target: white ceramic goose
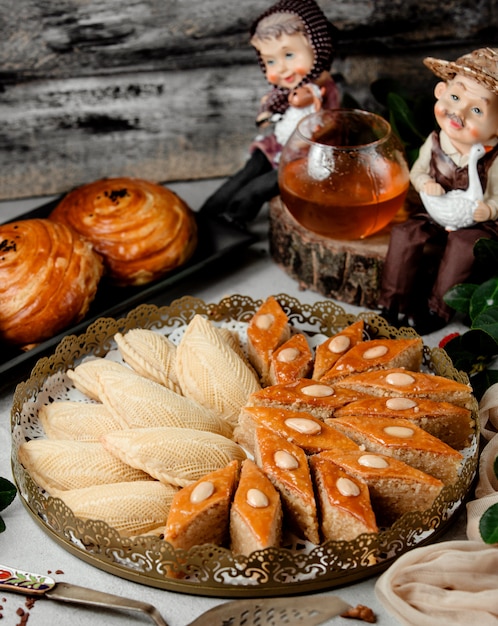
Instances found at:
x=455 y=209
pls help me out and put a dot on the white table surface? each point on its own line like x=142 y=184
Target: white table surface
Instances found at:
x=25 y=545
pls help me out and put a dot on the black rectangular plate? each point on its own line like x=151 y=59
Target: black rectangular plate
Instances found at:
x=216 y=240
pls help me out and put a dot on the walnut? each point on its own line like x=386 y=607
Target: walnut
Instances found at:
x=363 y=613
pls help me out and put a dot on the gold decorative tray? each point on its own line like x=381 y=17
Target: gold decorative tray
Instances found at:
x=210 y=570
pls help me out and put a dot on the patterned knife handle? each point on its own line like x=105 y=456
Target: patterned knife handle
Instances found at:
x=24 y=582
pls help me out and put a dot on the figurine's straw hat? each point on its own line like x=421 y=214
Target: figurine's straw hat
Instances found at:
x=481 y=65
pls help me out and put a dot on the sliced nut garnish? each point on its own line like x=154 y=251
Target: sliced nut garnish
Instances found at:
x=257 y=499
x=285 y=460
x=319 y=391
x=303 y=425
x=399 y=379
x=403 y=432
x=400 y=404
x=347 y=487
x=202 y=491
x=287 y=355
x=372 y=460
x=339 y=344
x=375 y=352
x=264 y=321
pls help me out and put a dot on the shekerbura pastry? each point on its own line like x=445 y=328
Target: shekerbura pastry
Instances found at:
x=132 y=508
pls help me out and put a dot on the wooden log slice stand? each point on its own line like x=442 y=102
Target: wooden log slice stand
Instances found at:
x=349 y=271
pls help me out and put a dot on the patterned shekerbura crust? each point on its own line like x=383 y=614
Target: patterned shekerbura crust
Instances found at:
x=211 y=570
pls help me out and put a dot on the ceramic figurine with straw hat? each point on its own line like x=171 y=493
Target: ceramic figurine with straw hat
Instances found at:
x=460 y=156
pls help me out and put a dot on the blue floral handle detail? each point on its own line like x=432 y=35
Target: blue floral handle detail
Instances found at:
x=24 y=582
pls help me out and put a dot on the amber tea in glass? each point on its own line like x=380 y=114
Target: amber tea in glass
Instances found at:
x=343 y=174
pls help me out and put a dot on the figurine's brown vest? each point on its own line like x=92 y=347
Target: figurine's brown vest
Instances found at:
x=444 y=170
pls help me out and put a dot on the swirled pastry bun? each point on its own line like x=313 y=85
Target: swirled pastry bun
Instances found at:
x=142 y=230
x=48 y=279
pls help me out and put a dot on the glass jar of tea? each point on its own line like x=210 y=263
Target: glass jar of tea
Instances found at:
x=343 y=173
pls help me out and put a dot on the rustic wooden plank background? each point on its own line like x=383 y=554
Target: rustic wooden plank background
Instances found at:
x=168 y=89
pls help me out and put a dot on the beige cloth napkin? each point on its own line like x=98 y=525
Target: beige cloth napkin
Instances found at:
x=488 y=412
x=450 y=583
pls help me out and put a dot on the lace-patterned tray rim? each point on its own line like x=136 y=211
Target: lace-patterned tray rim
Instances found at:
x=298 y=567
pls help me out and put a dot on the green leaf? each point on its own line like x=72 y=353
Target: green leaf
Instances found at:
x=484 y=298
x=411 y=117
x=423 y=111
x=2 y=525
x=472 y=351
x=459 y=297
x=7 y=493
x=403 y=115
x=488 y=524
x=398 y=134
x=487 y=322
x=486 y=252
x=476 y=341
x=411 y=155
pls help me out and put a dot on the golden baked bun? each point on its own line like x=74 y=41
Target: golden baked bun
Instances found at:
x=141 y=229
x=48 y=278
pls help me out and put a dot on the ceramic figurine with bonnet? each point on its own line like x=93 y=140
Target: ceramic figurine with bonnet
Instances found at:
x=294 y=43
x=456 y=175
